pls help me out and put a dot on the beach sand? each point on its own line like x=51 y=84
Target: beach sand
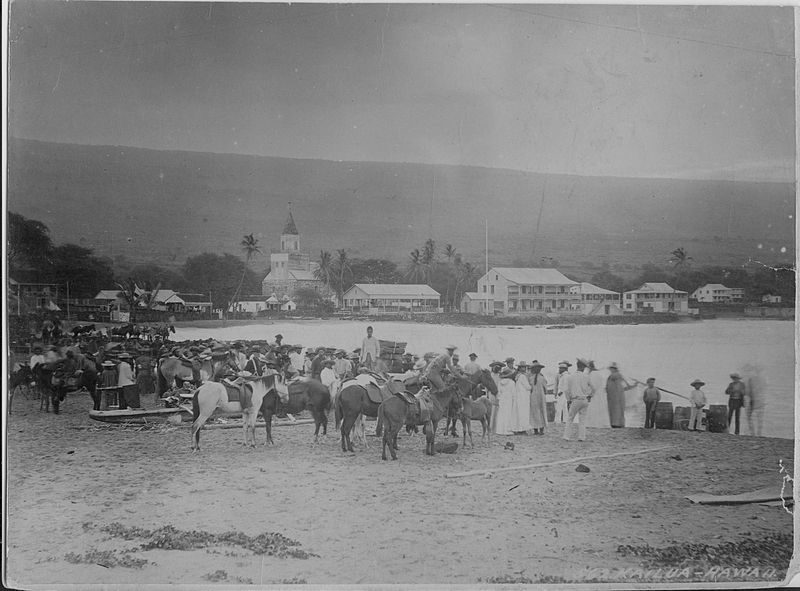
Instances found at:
x=366 y=520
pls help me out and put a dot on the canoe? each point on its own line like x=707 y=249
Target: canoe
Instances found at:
x=136 y=416
x=561 y=326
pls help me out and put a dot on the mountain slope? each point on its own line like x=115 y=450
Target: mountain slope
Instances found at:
x=149 y=205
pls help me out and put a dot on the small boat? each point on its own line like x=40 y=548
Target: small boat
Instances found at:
x=561 y=326
x=129 y=415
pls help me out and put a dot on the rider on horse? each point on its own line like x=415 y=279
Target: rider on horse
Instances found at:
x=443 y=362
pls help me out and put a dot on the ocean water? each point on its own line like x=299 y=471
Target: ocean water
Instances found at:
x=674 y=354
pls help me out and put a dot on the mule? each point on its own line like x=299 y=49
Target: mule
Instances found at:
x=472 y=387
x=213 y=395
x=476 y=410
x=311 y=395
x=19 y=381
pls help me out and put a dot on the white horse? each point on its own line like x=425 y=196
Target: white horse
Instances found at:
x=213 y=395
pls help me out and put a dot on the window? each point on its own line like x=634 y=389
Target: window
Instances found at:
x=492 y=288
x=484 y=289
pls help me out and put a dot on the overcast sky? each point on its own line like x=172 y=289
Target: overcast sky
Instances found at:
x=650 y=91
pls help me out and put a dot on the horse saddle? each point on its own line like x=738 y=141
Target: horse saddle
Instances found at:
x=423 y=405
x=238 y=391
x=378 y=394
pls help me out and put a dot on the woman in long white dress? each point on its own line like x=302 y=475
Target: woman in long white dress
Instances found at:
x=522 y=400
x=597 y=415
x=505 y=400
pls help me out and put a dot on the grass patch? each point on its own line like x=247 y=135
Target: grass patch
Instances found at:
x=106 y=558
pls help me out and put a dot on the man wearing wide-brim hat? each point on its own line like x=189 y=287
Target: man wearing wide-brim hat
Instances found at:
x=580 y=394
x=128 y=392
x=510 y=362
x=342 y=366
x=471 y=367
x=735 y=391
x=441 y=363
x=698 y=398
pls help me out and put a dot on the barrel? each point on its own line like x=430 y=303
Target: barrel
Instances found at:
x=664 y=415
x=551 y=411
x=680 y=418
x=717 y=418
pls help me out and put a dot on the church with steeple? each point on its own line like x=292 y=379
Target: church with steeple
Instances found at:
x=290 y=267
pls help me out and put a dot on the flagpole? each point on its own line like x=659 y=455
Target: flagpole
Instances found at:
x=486 y=263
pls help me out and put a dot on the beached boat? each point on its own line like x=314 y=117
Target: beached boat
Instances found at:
x=561 y=326
x=129 y=415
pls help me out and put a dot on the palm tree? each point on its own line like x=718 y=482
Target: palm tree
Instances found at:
x=324 y=270
x=342 y=266
x=450 y=253
x=428 y=258
x=131 y=295
x=680 y=259
x=415 y=268
x=467 y=274
x=250 y=248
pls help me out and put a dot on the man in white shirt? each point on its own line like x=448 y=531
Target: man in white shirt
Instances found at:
x=37 y=357
x=328 y=376
x=370 y=350
x=561 y=389
x=342 y=366
x=296 y=359
x=471 y=367
x=128 y=393
x=580 y=393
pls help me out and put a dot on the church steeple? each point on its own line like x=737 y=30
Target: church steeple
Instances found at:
x=290 y=237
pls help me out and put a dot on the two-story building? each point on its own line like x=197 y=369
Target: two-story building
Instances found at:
x=521 y=291
x=656 y=297
x=718 y=293
x=597 y=301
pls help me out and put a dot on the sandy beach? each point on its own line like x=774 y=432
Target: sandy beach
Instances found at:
x=85 y=497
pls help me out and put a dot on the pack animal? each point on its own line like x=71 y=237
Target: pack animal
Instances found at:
x=213 y=396
x=361 y=398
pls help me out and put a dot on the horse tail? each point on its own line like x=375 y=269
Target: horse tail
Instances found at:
x=195 y=406
x=162 y=381
x=338 y=410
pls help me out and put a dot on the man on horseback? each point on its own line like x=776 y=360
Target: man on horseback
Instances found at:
x=442 y=363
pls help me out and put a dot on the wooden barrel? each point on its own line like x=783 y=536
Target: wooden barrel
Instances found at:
x=717 y=418
x=551 y=411
x=664 y=415
x=680 y=418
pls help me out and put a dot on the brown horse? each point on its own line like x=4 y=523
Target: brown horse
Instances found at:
x=353 y=401
x=475 y=410
x=395 y=413
x=311 y=395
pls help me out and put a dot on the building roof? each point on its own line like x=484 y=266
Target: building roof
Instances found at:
x=655 y=288
x=530 y=276
x=589 y=288
x=252 y=298
x=473 y=295
x=396 y=289
x=194 y=298
x=290 y=227
x=303 y=275
x=714 y=286
x=108 y=294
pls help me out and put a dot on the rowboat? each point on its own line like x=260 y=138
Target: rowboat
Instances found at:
x=561 y=326
x=129 y=415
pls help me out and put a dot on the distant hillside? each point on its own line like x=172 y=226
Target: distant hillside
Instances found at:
x=149 y=205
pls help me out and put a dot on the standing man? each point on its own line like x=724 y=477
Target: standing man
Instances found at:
x=144 y=374
x=370 y=350
x=37 y=357
x=580 y=394
x=296 y=359
x=328 y=376
x=128 y=393
x=442 y=362
x=342 y=366
x=651 y=398
x=754 y=397
x=471 y=368
x=560 y=389
x=698 y=399
x=456 y=367
x=316 y=364
x=735 y=391
x=278 y=341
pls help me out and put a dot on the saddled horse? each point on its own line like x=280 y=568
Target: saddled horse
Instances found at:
x=214 y=395
x=430 y=408
x=355 y=399
x=312 y=395
x=127 y=331
x=472 y=387
x=170 y=370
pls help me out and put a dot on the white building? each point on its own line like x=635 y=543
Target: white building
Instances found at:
x=521 y=291
x=472 y=303
x=656 y=297
x=249 y=304
x=597 y=301
x=716 y=292
x=771 y=299
x=387 y=298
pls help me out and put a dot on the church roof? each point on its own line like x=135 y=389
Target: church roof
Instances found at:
x=290 y=228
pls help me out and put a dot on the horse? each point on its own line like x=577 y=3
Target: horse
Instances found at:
x=395 y=412
x=353 y=401
x=476 y=410
x=52 y=385
x=19 y=381
x=470 y=386
x=171 y=369
x=81 y=329
x=213 y=395
x=312 y=395
x=127 y=331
